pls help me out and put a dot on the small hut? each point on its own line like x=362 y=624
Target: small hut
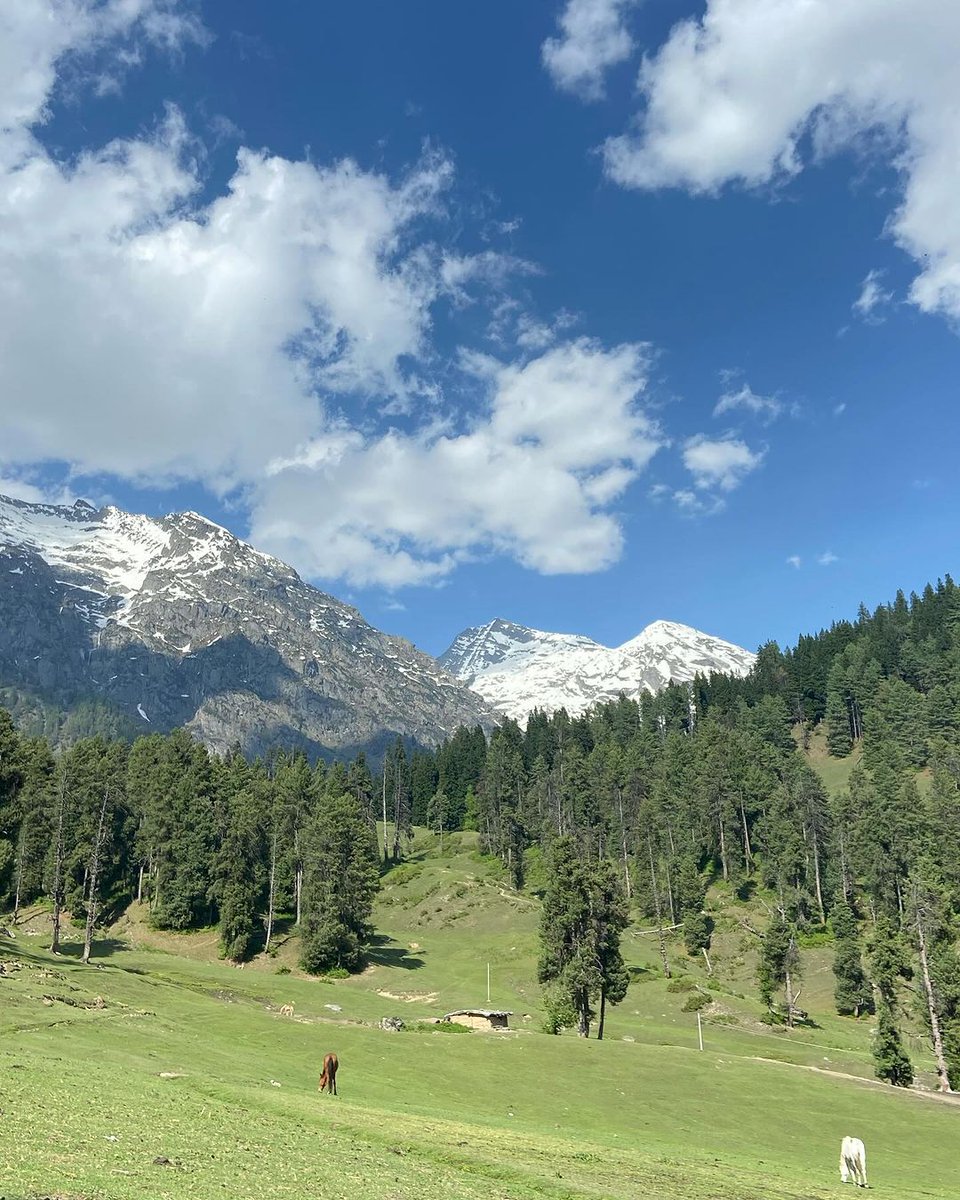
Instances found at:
x=480 y=1018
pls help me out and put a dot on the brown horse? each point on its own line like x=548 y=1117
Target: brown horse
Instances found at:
x=328 y=1079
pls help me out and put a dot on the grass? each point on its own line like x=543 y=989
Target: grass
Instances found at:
x=186 y=1059
x=834 y=772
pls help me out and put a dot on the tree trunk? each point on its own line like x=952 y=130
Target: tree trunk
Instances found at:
x=707 y=957
x=943 y=1079
x=20 y=852
x=788 y=987
x=747 y=853
x=94 y=875
x=386 y=849
x=656 y=904
x=723 y=844
x=583 y=1015
x=623 y=845
x=816 y=874
x=272 y=891
x=844 y=877
x=58 y=856
x=603 y=1013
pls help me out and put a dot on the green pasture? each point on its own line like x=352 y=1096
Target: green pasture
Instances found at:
x=162 y=1052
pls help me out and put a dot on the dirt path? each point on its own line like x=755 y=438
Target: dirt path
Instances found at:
x=952 y=1098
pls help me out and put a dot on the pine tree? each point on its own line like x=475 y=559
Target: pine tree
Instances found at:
x=890 y=1059
x=341 y=879
x=583 y=915
x=779 y=966
x=852 y=992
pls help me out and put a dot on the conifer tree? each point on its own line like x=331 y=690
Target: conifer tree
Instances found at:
x=341 y=878
x=890 y=1059
x=852 y=992
x=779 y=966
x=582 y=918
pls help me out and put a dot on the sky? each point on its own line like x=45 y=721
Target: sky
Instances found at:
x=580 y=313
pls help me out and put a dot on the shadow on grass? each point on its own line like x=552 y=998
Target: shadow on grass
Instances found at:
x=99 y=948
x=642 y=974
x=385 y=952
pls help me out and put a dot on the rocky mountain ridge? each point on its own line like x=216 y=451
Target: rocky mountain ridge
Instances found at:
x=517 y=669
x=174 y=621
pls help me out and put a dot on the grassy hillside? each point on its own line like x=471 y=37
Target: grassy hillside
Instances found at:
x=186 y=1059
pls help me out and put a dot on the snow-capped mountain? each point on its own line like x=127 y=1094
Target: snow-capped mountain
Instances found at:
x=517 y=669
x=174 y=621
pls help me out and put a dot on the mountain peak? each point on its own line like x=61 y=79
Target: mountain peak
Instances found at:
x=174 y=621
x=517 y=669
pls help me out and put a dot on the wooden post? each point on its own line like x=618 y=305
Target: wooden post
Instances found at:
x=699 y=1031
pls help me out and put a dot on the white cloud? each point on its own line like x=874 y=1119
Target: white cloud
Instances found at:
x=839 y=409
x=766 y=407
x=593 y=38
x=736 y=95
x=533 y=477
x=827 y=558
x=35 y=36
x=873 y=298
x=794 y=561
x=257 y=341
x=722 y=463
x=190 y=338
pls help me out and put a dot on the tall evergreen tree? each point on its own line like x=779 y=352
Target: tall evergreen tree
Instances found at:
x=341 y=879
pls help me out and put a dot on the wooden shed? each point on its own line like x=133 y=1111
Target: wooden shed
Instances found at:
x=480 y=1018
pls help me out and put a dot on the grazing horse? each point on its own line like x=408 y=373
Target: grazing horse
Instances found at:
x=328 y=1079
x=853 y=1162
x=286 y=1010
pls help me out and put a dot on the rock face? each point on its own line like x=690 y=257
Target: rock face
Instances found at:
x=518 y=669
x=175 y=621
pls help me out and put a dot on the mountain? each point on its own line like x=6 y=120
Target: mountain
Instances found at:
x=154 y=623
x=517 y=669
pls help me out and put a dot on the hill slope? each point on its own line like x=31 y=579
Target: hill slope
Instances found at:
x=184 y=1058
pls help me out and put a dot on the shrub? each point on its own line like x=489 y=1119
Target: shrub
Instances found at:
x=283 y=969
x=695 y=1002
x=683 y=984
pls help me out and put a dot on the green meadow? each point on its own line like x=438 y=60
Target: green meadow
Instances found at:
x=161 y=1071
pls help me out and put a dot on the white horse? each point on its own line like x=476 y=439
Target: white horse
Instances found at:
x=853 y=1162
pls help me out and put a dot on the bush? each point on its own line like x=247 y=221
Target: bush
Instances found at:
x=337 y=973
x=695 y=1002
x=403 y=874
x=683 y=984
x=282 y=970
x=812 y=939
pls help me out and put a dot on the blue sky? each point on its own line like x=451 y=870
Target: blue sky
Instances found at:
x=581 y=313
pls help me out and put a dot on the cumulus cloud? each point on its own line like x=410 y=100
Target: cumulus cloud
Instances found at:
x=533 y=475
x=744 y=398
x=719 y=463
x=752 y=90
x=593 y=38
x=794 y=561
x=260 y=340
x=827 y=558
